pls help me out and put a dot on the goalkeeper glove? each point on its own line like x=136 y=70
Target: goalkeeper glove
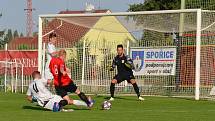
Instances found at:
x=128 y=65
x=110 y=68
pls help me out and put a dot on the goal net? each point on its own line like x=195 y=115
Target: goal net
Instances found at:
x=11 y=77
x=173 y=51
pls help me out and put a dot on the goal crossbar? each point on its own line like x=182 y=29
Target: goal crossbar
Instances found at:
x=118 y=13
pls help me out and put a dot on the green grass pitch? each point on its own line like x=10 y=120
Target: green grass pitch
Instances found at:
x=14 y=107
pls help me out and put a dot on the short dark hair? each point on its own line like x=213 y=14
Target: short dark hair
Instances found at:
x=120 y=46
x=52 y=35
x=35 y=73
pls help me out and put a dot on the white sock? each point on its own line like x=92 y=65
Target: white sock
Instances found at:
x=79 y=103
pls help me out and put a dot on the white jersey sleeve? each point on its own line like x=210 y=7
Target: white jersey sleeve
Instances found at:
x=28 y=92
x=51 y=48
x=44 y=81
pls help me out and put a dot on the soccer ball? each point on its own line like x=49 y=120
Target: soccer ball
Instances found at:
x=106 y=105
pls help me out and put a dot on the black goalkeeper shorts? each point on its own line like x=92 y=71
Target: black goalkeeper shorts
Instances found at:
x=63 y=90
x=120 y=78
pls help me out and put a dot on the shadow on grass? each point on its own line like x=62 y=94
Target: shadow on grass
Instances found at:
x=122 y=98
x=33 y=108
x=77 y=108
x=183 y=98
x=193 y=99
x=43 y=109
x=152 y=98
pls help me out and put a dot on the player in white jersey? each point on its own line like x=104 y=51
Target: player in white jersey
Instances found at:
x=51 y=52
x=37 y=92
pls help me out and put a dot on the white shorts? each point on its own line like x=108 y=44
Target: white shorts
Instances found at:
x=51 y=102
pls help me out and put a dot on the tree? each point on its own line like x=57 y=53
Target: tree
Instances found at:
x=1 y=39
x=9 y=35
x=15 y=34
x=149 y=37
x=21 y=35
x=1 y=33
x=203 y=4
x=7 y=38
x=150 y=5
x=35 y=34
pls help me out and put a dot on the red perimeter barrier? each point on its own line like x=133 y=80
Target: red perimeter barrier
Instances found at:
x=28 y=58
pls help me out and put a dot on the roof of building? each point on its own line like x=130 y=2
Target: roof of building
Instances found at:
x=70 y=30
x=67 y=30
x=83 y=11
x=23 y=43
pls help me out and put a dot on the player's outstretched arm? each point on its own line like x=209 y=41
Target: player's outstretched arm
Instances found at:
x=111 y=67
x=29 y=97
x=52 y=50
x=54 y=54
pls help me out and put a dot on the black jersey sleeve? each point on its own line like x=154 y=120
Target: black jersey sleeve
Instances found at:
x=114 y=63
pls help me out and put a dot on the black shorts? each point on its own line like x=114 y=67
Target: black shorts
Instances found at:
x=63 y=90
x=120 y=78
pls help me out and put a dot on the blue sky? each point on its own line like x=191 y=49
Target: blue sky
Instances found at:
x=14 y=15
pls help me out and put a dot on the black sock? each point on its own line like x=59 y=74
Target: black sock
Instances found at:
x=112 y=88
x=62 y=103
x=136 y=89
x=83 y=97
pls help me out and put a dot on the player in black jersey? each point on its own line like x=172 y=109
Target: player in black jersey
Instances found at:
x=124 y=67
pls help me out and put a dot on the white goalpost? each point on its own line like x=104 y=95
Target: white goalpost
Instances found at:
x=198 y=53
x=90 y=40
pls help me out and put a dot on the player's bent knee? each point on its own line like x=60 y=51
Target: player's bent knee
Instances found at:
x=114 y=81
x=63 y=102
x=133 y=81
x=70 y=101
x=77 y=91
